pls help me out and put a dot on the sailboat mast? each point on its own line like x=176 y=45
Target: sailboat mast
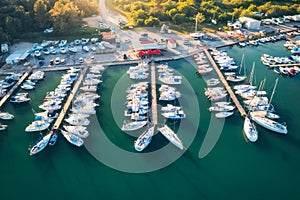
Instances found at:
x=252 y=74
x=271 y=98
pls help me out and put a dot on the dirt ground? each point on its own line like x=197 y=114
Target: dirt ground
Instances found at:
x=92 y=21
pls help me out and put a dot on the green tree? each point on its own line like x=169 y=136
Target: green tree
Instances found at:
x=65 y=14
x=41 y=13
x=152 y=21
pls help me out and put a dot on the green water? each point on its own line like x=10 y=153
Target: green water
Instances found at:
x=233 y=169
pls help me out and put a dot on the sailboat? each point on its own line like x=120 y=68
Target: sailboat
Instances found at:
x=250 y=130
x=238 y=77
x=171 y=136
x=144 y=140
x=269 y=123
x=40 y=144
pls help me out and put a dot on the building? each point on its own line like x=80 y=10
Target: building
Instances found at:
x=17 y=56
x=250 y=23
x=145 y=43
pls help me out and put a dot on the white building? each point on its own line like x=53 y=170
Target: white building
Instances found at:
x=250 y=23
x=17 y=56
x=172 y=44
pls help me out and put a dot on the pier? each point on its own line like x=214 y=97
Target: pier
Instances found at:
x=11 y=91
x=226 y=85
x=69 y=101
x=153 y=92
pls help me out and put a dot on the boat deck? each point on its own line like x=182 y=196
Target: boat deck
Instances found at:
x=11 y=91
x=153 y=92
x=226 y=85
x=69 y=100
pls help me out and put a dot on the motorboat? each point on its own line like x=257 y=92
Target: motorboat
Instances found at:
x=171 y=136
x=6 y=116
x=134 y=125
x=89 y=88
x=19 y=99
x=170 y=108
x=224 y=114
x=250 y=130
x=73 y=139
x=77 y=120
x=270 y=124
x=204 y=70
x=40 y=144
x=219 y=108
x=53 y=139
x=3 y=127
x=38 y=125
x=80 y=131
x=169 y=78
x=175 y=115
x=144 y=139
x=212 y=82
x=235 y=78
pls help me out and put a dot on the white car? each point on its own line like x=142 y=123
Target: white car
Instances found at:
x=63 y=50
x=57 y=61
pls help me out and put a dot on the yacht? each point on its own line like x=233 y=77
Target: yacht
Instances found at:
x=250 y=130
x=170 y=108
x=40 y=144
x=53 y=139
x=224 y=114
x=6 y=116
x=269 y=124
x=169 y=78
x=78 y=120
x=38 y=125
x=134 y=125
x=19 y=98
x=73 y=139
x=80 y=131
x=89 y=88
x=144 y=140
x=221 y=108
x=174 y=115
x=212 y=82
x=171 y=136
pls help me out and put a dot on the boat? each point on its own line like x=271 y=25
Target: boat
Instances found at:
x=80 y=131
x=174 y=115
x=171 y=136
x=219 y=108
x=6 y=116
x=169 y=78
x=212 y=82
x=78 y=120
x=89 y=88
x=53 y=139
x=270 y=124
x=250 y=130
x=132 y=126
x=235 y=78
x=3 y=127
x=144 y=139
x=40 y=144
x=38 y=125
x=204 y=70
x=170 y=108
x=73 y=139
x=19 y=99
x=224 y=114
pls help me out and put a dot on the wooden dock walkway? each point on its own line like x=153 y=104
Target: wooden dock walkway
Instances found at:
x=11 y=91
x=226 y=85
x=153 y=92
x=69 y=101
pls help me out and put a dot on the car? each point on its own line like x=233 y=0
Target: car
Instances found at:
x=81 y=60
x=63 y=50
x=62 y=61
x=51 y=62
x=57 y=61
x=46 y=51
x=26 y=64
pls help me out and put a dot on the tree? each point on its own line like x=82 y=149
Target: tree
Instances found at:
x=65 y=15
x=152 y=21
x=41 y=13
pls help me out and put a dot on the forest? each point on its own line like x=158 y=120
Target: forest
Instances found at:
x=18 y=17
x=184 y=13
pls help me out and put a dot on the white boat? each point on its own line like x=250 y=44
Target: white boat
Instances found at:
x=77 y=120
x=270 y=124
x=171 y=136
x=6 y=116
x=38 y=125
x=250 y=130
x=218 y=108
x=19 y=99
x=89 y=88
x=169 y=78
x=73 y=139
x=27 y=87
x=40 y=144
x=204 y=70
x=80 y=131
x=212 y=82
x=235 y=78
x=3 y=127
x=132 y=126
x=170 y=108
x=144 y=140
x=174 y=115
x=224 y=114
x=221 y=103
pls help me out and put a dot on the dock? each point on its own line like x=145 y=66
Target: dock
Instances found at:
x=153 y=92
x=11 y=91
x=69 y=101
x=226 y=85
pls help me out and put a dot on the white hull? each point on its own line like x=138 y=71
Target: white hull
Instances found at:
x=144 y=140
x=270 y=124
x=250 y=130
x=171 y=136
